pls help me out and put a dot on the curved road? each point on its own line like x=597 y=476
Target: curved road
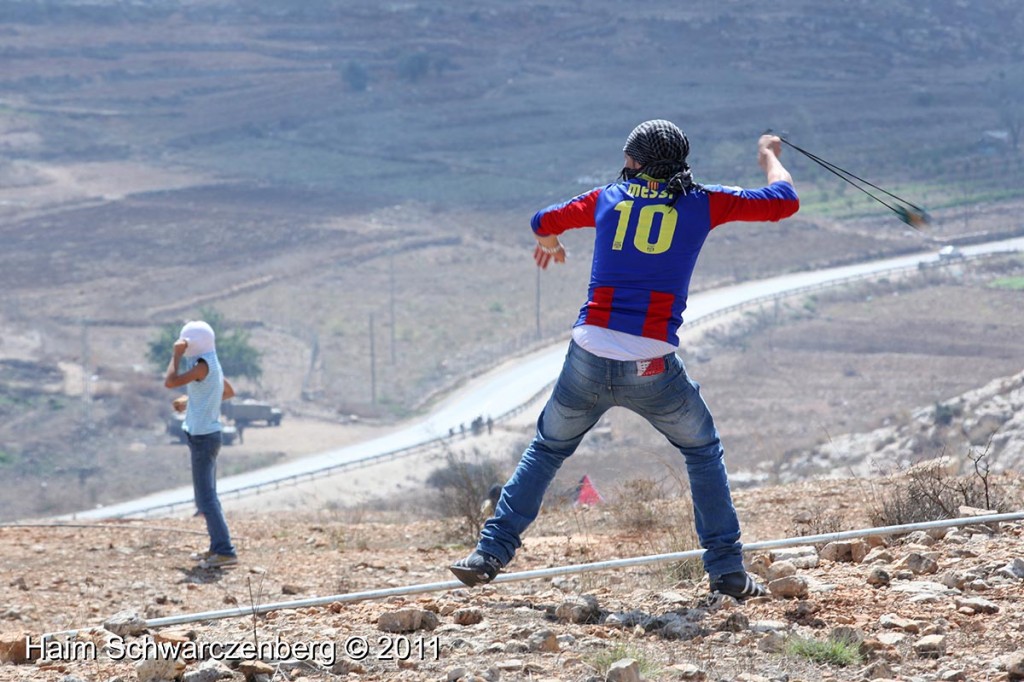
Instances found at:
x=516 y=382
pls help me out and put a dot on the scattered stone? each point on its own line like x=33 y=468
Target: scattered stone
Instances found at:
x=768 y=626
x=893 y=622
x=780 y=569
x=877 y=670
x=209 y=671
x=930 y=646
x=922 y=538
x=126 y=624
x=543 y=640
x=687 y=671
x=13 y=647
x=759 y=565
x=975 y=605
x=802 y=556
x=789 y=588
x=892 y=638
x=344 y=666
x=737 y=621
x=624 y=670
x=1013 y=570
x=879 y=577
x=407 y=620
x=804 y=613
x=924 y=587
x=470 y=616
x=455 y=674
x=580 y=609
x=843 y=551
x=158 y=669
x=918 y=564
x=773 y=642
x=847 y=634
x=253 y=668
x=878 y=555
x=953 y=580
x=1014 y=665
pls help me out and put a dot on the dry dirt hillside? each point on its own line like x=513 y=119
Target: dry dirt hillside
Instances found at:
x=922 y=606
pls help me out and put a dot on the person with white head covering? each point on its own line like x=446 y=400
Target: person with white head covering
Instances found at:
x=194 y=365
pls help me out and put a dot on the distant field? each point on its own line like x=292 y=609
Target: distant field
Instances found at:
x=1012 y=283
x=352 y=183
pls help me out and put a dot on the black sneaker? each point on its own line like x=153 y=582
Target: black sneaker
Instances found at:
x=476 y=569
x=738 y=584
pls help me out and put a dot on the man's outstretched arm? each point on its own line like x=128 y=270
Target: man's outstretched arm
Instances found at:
x=769 y=148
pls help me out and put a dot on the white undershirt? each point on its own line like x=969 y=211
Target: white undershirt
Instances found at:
x=616 y=345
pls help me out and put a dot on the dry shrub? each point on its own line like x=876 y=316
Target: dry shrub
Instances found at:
x=462 y=485
x=635 y=508
x=660 y=523
x=819 y=520
x=928 y=492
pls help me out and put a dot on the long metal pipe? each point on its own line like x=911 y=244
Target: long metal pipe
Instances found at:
x=258 y=609
x=107 y=526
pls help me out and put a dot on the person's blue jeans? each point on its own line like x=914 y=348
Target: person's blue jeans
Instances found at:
x=586 y=388
x=205 y=449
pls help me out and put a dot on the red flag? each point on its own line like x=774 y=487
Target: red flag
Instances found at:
x=587 y=493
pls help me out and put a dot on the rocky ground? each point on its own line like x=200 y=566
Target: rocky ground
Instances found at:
x=937 y=605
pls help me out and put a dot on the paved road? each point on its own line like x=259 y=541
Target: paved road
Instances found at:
x=516 y=382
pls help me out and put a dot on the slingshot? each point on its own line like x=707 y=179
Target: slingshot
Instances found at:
x=908 y=212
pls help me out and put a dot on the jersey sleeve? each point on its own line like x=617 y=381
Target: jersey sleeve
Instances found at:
x=767 y=204
x=556 y=219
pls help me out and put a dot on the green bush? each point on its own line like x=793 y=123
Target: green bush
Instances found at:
x=603 y=661
x=836 y=652
x=238 y=357
x=413 y=67
x=356 y=76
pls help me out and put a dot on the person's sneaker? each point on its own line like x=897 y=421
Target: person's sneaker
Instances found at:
x=476 y=569
x=219 y=561
x=200 y=556
x=738 y=584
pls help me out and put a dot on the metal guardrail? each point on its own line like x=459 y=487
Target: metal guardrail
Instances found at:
x=411 y=450
x=879 y=274
x=325 y=471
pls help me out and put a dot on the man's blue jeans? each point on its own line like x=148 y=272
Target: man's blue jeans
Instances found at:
x=205 y=449
x=587 y=387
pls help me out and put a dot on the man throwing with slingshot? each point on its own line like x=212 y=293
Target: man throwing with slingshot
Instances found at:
x=650 y=227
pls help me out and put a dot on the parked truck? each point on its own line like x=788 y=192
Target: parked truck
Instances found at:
x=245 y=412
x=228 y=432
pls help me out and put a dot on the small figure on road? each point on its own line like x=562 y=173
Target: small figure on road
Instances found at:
x=650 y=227
x=194 y=364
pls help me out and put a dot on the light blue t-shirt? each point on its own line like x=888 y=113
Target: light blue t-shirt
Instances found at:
x=204 y=397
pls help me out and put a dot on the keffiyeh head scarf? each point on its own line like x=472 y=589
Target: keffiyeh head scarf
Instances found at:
x=660 y=148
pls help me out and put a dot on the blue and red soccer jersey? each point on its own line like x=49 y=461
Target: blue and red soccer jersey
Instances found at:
x=645 y=248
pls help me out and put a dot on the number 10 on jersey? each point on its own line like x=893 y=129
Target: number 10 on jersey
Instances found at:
x=644 y=225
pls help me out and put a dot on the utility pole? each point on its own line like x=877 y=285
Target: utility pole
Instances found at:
x=373 y=365
x=538 y=302
x=85 y=374
x=391 y=306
